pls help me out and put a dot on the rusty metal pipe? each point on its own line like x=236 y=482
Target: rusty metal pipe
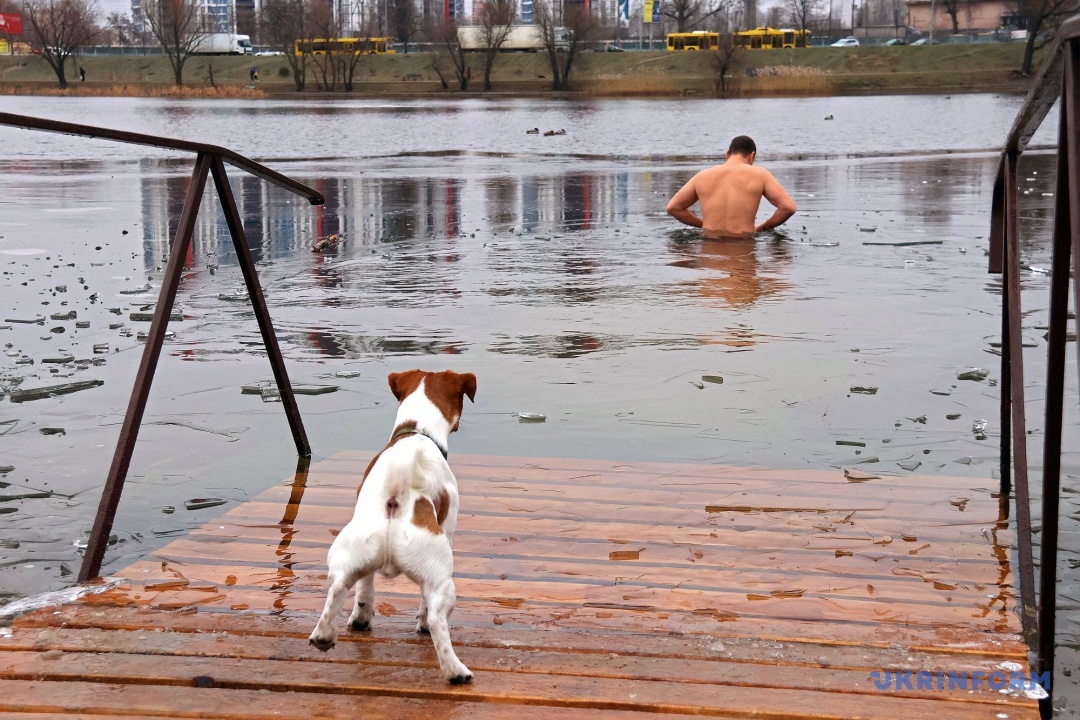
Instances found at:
x=65 y=128
x=1025 y=573
x=129 y=431
x=1066 y=228
x=258 y=303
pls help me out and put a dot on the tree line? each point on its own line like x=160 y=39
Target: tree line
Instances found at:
x=58 y=29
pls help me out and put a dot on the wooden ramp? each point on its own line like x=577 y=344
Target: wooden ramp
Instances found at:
x=586 y=589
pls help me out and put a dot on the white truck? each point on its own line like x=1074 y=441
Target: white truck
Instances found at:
x=222 y=44
x=521 y=38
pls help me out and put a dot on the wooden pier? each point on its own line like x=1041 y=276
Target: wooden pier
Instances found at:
x=586 y=589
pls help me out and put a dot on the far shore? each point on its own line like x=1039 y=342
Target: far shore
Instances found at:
x=990 y=67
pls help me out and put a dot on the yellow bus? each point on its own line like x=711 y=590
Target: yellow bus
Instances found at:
x=345 y=46
x=698 y=40
x=766 y=38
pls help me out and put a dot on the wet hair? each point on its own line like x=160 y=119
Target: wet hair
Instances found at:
x=742 y=145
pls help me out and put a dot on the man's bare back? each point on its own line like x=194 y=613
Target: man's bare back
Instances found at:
x=729 y=196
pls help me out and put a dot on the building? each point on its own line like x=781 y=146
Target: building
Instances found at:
x=220 y=15
x=973 y=16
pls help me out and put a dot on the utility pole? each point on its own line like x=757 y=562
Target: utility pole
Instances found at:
x=933 y=8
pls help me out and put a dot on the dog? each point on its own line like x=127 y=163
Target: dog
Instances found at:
x=405 y=515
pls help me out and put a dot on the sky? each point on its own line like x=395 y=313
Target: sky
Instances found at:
x=108 y=7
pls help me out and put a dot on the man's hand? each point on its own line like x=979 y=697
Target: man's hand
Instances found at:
x=679 y=205
x=775 y=193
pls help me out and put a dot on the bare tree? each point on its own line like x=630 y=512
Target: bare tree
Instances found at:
x=803 y=12
x=120 y=29
x=562 y=44
x=353 y=61
x=178 y=25
x=406 y=20
x=495 y=17
x=56 y=29
x=723 y=59
x=283 y=23
x=1040 y=15
x=952 y=7
x=691 y=13
x=323 y=24
x=444 y=35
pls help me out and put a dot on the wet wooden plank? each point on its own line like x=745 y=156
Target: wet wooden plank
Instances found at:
x=617 y=473
x=306 y=587
x=396 y=642
x=710 y=586
x=516 y=688
x=823 y=671
x=681 y=561
x=96 y=700
x=879 y=645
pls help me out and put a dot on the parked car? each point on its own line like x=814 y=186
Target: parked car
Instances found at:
x=896 y=41
x=846 y=42
x=924 y=41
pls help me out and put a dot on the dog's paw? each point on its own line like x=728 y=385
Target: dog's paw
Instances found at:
x=360 y=625
x=321 y=643
x=461 y=679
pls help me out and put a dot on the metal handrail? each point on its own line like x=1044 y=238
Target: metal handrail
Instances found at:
x=133 y=138
x=209 y=161
x=1059 y=76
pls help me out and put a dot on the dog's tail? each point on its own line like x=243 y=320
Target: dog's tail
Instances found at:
x=413 y=471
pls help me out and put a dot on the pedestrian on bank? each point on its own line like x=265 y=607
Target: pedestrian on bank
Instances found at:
x=82 y=74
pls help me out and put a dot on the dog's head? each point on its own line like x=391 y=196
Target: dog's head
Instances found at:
x=445 y=390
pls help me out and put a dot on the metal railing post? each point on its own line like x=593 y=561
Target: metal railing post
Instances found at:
x=258 y=302
x=1019 y=414
x=1066 y=221
x=129 y=431
x=209 y=159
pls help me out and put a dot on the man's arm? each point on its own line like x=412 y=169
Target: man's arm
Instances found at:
x=775 y=193
x=679 y=205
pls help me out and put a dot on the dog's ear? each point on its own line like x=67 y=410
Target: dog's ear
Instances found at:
x=468 y=385
x=404 y=383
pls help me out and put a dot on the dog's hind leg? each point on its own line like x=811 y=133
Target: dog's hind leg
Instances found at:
x=363 y=609
x=350 y=558
x=433 y=570
x=421 y=617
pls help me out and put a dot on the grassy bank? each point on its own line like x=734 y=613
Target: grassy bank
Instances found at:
x=813 y=71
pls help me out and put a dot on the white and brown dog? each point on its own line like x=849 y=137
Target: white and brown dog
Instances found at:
x=406 y=512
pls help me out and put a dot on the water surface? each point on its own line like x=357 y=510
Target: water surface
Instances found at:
x=545 y=265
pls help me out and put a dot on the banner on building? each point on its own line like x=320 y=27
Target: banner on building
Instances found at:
x=624 y=9
x=651 y=12
x=10 y=24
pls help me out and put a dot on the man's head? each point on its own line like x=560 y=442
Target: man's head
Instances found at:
x=743 y=145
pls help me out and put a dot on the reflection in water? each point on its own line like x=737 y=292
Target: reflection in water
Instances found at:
x=741 y=273
x=336 y=343
x=740 y=279
x=282 y=586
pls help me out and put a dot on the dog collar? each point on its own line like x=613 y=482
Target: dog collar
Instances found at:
x=405 y=431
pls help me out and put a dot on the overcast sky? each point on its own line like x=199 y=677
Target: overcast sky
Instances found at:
x=108 y=7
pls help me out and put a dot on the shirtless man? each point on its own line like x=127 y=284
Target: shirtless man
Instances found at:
x=730 y=194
